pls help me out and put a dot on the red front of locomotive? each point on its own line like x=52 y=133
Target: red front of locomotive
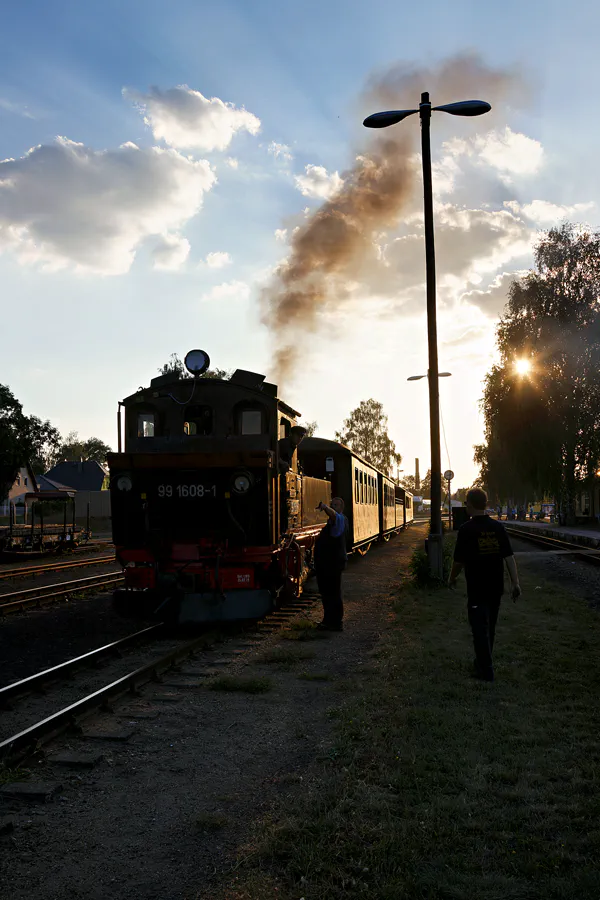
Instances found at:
x=203 y=521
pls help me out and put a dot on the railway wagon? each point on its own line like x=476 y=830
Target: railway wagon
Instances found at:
x=211 y=518
x=404 y=506
x=375 y=506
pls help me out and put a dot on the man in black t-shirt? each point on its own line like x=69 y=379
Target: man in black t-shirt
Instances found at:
x=482 y=546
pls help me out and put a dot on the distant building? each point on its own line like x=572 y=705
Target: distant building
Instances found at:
x=23 y=484
x=87 y=475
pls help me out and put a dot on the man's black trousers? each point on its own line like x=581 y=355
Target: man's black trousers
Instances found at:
x=483 y=615
x=329 y=581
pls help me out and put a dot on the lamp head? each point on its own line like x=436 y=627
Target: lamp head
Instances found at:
x=383 y=119
x=465 y=108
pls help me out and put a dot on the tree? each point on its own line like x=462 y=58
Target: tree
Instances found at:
x=73 y=449
x=542 y=430
x=311 y=427
x=22 y=438
x=408 y=483
x=176 y=367
x=365 y=432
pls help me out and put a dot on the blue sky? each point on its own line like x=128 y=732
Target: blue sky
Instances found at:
x=104 y=259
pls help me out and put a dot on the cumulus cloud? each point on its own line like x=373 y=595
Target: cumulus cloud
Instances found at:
x=170 y=252
x=217 y=259
x=510 y=151
x=545 y=213
x=228 y=291
x=280 y=151
x=281 y=234
x=316 y=182
x=184 y=118
x=232 y=162
x=493 y=299
x=64 y=204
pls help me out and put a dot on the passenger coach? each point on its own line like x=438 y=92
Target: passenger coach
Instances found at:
x=375 y=506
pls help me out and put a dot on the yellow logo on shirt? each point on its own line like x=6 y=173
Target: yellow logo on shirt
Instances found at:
x=488 y=543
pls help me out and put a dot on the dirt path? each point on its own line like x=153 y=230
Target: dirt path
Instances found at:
x=163 y=815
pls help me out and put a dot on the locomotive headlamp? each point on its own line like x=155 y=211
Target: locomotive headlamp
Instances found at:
x=124 y=483
x=241 y=483
x=197 y=362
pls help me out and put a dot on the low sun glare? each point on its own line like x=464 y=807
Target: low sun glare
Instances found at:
x=522 y=366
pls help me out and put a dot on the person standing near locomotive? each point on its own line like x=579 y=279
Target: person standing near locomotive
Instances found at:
x=330 y=561
x=482 y=545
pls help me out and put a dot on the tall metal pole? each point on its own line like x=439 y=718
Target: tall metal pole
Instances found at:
x=435 y=536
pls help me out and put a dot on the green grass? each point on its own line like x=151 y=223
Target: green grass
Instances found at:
x=438 y=787
x=286 y=657
x=245 y=685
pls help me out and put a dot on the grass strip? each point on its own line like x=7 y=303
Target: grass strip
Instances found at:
x=442 y=787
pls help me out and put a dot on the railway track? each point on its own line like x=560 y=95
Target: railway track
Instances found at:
x=16 y=601
x=31 y=739
x=19 y=571
x=589 y=555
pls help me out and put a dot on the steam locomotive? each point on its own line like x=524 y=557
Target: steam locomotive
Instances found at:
x=213 y=497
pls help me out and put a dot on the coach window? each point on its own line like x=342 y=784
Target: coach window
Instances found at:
x=198 y=420
x=145 y=425
x=356 y=488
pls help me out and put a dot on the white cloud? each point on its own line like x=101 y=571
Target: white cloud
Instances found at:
x=64 y=204
x=543 y=212
x=15 y=108
x=232 y=162
x=510 y=151
x=217 y=259
x=317 y=183
x=184 y=118
x=493 y=299
x=170 y=252
x=281 y=234
x=280 y=151
x=228 y=291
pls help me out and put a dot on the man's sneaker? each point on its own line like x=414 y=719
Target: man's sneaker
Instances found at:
x=483 y=675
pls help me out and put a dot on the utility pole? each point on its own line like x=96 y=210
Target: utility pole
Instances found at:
x=434 y=543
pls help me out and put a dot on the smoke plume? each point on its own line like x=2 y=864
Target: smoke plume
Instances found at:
x=328 y=250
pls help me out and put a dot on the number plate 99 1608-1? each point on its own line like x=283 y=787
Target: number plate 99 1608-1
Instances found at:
x=187 y=490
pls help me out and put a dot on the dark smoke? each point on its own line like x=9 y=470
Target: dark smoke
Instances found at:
x=328 y=250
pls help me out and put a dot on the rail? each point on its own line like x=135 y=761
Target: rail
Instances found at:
x=35 y=682
x=18 y=600
x=53 y=567
x=589 y=555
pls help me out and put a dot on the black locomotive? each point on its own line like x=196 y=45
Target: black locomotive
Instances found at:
x=213 y=501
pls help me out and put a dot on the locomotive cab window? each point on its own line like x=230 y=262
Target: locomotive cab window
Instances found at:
x=199 y=420
x=249 y=420
x=145 y=425
x=284 y=427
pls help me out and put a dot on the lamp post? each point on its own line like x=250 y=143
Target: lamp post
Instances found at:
x=382 y=120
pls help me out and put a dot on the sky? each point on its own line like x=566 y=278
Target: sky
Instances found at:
x=173 y=174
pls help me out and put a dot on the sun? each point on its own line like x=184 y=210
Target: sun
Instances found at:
x=523 y=366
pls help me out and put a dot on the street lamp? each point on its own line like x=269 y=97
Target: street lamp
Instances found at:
x=382 y=120
x=418 y=377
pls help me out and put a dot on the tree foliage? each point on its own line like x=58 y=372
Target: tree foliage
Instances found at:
x=542 y=430
x=73 y=449
x=311 y=428
x=22 y=438
x=365 y=432
x=176 y=367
